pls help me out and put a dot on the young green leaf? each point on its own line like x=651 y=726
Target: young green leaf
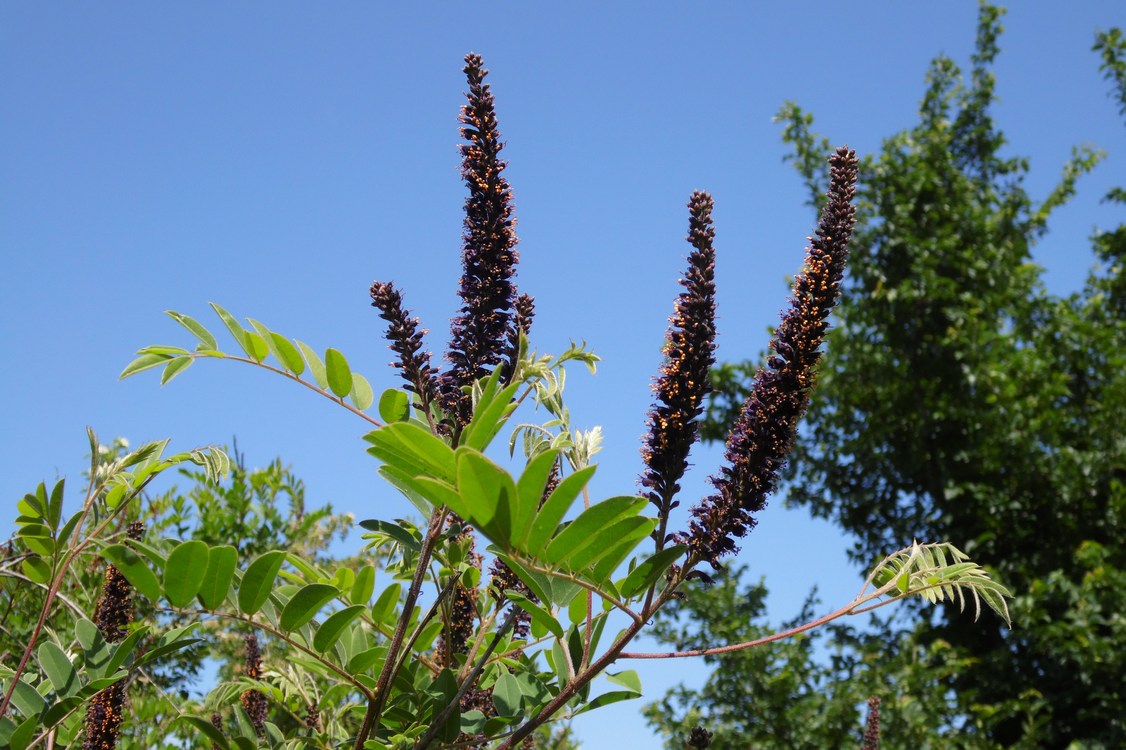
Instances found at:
x=338 y=372
x=394 y=406
x=237 y=331
x=142 y=363
x=207 y=341
x=489 y=493
x=650 y=571
x=333 y=627
x=174 y=368
x=383 y=611
x=408 y=446
x=221 y=564
x=258 y=581
x=394 y=531
x=316 y=366
x=588 y=527
x=287 y=353
x=37 y=569
x=184 y=572
x=553 y=510
x=538 y=613
x=258 y=349
x=364 y=586
x=361 y=394
x=210 y=733
x=57 y=666
x=305 y=604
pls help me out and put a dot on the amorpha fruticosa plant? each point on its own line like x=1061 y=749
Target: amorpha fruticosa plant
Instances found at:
x=494 y=620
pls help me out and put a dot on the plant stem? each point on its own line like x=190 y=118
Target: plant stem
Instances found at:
x=383 y=684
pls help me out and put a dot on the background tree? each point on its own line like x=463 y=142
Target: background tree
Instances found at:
x=960 y=400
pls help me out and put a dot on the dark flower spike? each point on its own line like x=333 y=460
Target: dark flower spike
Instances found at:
x=763 y=433
x=521 y=323
x=112 y=615
x=462 y=621
x=253 y=700
x=217 y=722
x=872 y=729
x=689 y=355
x=406 y=340
x=699 y=739
x=480 y=332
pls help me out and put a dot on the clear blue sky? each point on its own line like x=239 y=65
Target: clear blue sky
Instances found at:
x=278 y=157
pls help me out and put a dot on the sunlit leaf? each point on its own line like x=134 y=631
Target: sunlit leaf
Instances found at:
x=305 y=603
x=207 y=341
x=361 y=394
x=174 y=368
x=316 y=366
x=333 y=627
x=57 y=666
x=142 y=363
x=258 y=581
x=221 y=564
x=394 y=406
x=338 y=373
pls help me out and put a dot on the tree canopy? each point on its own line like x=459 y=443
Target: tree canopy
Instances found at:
x=958 y=399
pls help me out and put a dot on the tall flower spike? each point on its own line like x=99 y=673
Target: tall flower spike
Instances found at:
x=872 y=727
x=521 y=323
x=406 y=341
x=479 y=333
x=764 y=432
x=253 y=700
x=114 y=612
x=689 y=355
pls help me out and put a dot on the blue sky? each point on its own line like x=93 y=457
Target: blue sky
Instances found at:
x=276 y=158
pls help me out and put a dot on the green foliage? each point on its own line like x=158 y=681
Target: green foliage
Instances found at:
x=960 y=400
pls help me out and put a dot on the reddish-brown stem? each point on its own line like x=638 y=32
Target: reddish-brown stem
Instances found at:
x=848 y=609
x=317 y=389
x=383 y=684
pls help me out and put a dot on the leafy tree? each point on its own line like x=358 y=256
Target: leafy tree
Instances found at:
x=960 y=400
